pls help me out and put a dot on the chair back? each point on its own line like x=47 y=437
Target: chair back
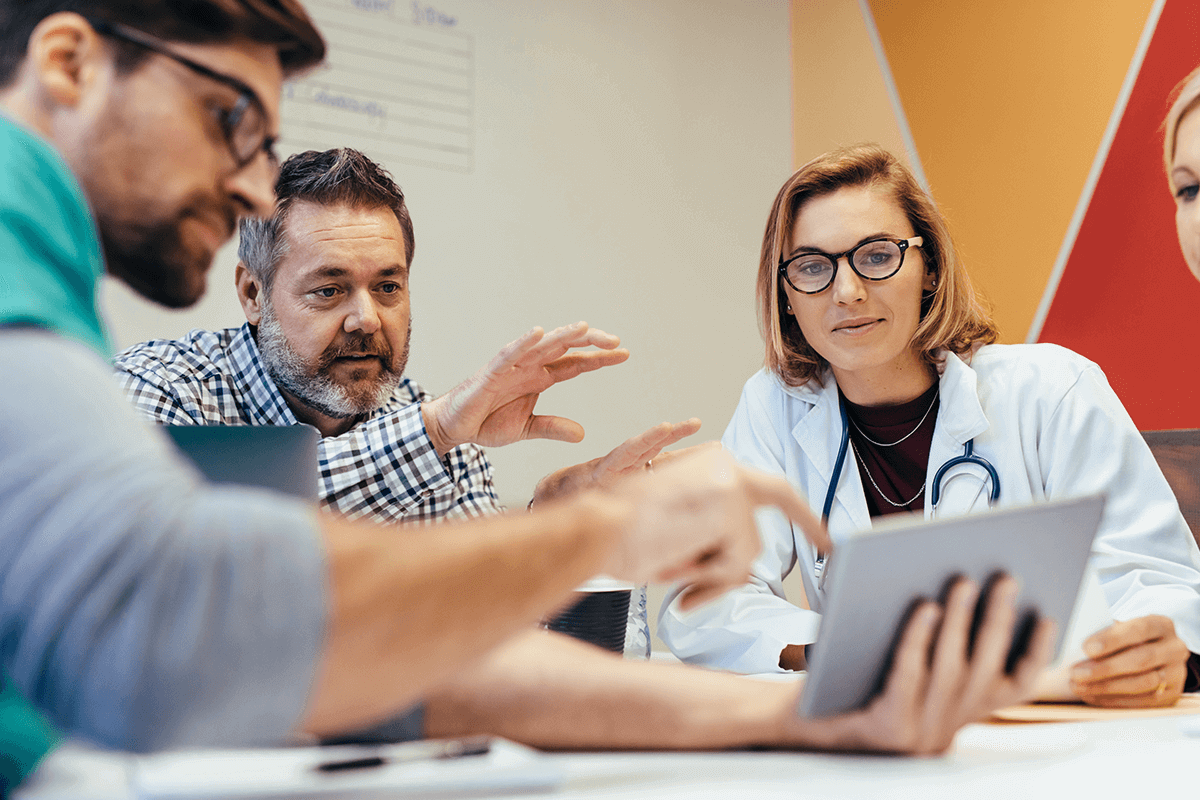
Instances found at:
x=1178 y=455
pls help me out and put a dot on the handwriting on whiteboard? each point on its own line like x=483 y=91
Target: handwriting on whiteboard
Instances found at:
x=397 y=83
x=428 y=15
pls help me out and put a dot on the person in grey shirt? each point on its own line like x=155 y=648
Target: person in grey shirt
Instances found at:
x=145 y=609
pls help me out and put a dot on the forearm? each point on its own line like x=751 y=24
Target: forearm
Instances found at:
x=406 y=608
x=132 y=591
x=551 y=692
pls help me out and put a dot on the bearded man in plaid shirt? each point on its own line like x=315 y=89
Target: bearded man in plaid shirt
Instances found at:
x=324 y=285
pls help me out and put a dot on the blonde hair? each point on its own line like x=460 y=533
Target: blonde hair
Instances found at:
x=1187 y=97
x=953 y=316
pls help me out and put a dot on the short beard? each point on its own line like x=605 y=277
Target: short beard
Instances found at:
x=151 y=256
x=141 y=232
x=311 y=385
x=150 y=270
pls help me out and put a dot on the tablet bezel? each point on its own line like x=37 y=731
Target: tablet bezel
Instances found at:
x=1045 y=546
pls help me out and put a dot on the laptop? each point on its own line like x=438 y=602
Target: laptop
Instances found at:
x=284 y=459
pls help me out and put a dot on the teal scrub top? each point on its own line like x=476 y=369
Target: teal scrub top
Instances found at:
x=50 y=264
x=50 y=259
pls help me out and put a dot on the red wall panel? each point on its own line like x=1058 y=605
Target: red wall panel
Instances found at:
x=1126 y=299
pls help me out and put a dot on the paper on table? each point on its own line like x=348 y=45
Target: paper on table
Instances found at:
x=291 y=773
x=1091 y=614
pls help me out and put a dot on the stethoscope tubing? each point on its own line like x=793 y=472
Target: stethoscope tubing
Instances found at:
x=968 y=457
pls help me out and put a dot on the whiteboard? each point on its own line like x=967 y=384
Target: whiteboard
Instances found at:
x=563 y=160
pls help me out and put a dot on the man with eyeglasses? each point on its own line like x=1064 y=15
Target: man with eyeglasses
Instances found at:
x=168 y=160
x=142 y=608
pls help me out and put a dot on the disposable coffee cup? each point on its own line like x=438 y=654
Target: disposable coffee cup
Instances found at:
x=598 y=614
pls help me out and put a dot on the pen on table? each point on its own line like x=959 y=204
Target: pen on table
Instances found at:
x=429 y=750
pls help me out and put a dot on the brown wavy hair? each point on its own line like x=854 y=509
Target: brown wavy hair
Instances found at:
x=953 y=316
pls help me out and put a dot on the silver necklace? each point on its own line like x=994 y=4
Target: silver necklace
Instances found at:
x=932 y=403
x=889 y=500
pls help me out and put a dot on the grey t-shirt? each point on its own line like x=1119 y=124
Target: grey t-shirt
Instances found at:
x=140 y=607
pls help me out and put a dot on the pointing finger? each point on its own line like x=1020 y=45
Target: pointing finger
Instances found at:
x=772 y=490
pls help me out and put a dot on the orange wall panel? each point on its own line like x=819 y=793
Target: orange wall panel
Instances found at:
x=1007 y=105
x=838 y=90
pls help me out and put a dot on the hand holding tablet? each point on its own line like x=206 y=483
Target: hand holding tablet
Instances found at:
x=883 y=579
x=949 y=669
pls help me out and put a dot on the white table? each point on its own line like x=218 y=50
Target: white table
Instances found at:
x=1125 y=759
x=1014 y=762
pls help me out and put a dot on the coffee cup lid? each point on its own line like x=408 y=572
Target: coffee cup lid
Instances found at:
x=603 y=583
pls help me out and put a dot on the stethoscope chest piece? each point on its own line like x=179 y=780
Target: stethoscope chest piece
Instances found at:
x=969 y=457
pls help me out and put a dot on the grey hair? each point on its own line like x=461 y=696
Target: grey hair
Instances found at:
x=342 y=176
x=261 y=246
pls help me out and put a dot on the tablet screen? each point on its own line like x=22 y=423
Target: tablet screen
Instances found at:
x=879 y=575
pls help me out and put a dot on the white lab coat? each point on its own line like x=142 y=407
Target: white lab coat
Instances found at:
x=1044 y=417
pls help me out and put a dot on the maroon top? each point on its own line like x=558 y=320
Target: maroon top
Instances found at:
x=891 y=444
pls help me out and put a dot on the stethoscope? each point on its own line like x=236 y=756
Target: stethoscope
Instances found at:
x=968 y=457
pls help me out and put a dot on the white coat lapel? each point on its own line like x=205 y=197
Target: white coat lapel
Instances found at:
x=819 y=434
x=960 y=419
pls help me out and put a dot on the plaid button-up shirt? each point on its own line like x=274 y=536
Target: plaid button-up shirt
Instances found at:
x=385 y=468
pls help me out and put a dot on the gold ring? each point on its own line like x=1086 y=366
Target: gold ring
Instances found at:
x=1162 y=684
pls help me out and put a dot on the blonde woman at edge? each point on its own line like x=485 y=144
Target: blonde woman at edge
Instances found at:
x=866 y=309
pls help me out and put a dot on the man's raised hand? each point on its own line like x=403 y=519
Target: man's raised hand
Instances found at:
x=495 y=406
x=628 y=458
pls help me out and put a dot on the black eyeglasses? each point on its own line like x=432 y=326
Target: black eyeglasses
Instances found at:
x=874 y=260
x=244 y=126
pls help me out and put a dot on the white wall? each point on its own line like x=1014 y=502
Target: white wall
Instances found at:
x=625 y=156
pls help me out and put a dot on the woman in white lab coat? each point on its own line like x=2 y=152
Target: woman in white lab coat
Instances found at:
x=865 y=305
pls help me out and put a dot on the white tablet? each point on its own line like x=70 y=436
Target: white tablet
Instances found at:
x=878 y=575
